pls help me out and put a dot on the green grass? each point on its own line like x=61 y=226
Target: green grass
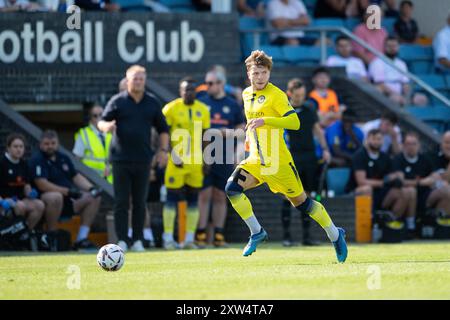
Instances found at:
x=407 y=271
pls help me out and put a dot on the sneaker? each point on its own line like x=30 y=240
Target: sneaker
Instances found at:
x=253 y=242
x=340 y=246
x=289 y=243
x=123 y=245
x=148 y=244
x=309 y=243
x=200 y=239
x=85 y=244
x=137 y=246
x=169 y=245
x=219 y=240
x=189 y=245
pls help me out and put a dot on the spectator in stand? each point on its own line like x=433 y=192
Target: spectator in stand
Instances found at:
x=54 y=173
x=251 y=8
x=15 y=182
x=92 y=145
x=354 y=67
x=344 y=138
x=288 y=14
x=441 y=46
x=391 y=9
x=202 y=5
x=18 y=5
x=330 y=9
x=405 y=27
x=388 y=80
x=392 y=137
x=329 y=107
x=375 y=38
x=372 y=175
x=417 y=174
x=357 y=8
x=97 y=5
x=439 y=197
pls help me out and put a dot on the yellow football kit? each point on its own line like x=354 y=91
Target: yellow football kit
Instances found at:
x=186 y=131
x=269 y=158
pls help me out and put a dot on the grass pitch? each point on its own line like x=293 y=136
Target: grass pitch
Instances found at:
x=417 y=270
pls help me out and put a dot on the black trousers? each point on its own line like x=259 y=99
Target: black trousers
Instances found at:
x=130 y=184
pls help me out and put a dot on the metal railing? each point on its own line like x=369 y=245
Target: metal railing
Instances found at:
x=323 y=52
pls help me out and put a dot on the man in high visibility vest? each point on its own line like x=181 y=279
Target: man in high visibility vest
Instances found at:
x=92 y=145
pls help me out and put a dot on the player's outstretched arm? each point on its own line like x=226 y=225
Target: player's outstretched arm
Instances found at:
x=289 y=121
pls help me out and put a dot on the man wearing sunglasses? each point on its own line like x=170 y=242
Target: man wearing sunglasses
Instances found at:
x=92 y=145
x=226 y=116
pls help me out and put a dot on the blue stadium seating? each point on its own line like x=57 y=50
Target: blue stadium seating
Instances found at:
x=438 y=117
x=337 y=179
x=388 y=24
x=178 y=5
x=419 y=58
x=275 y=52
x=132 y=5
x=247 y=39
x=437 y=82
x=351 y=23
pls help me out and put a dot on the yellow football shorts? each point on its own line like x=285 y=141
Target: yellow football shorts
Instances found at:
x=285 y=179
x=190 y=175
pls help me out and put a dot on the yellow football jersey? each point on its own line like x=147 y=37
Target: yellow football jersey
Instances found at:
x=266 y=143
x=186 y=128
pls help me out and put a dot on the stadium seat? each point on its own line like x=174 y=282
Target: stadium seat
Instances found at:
x=275 y=52
x=303 y=55
x=419 y=58
x=351 y=23
x=328 y=22
x=438 y=117
x=337 y=179
x=388 y=24
x=437 y=82
x=247 y=38
x=178 y=5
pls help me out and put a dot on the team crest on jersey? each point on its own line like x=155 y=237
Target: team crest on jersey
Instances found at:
x=199 y=114
x=65 y=167
x=171 y=179
x=261 y=99
x=10 y=171
x=226 y=109
x=408 y=169
x=371 y=164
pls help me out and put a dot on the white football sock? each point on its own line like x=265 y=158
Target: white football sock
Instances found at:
x=83 y=232
x=253 y=224
x=148 y=234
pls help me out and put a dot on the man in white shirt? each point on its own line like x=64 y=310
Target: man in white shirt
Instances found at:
x=17 y=5
x=287 y=14
x=388 y=80
x=441 y=46
x=392 y=137
x=354 y=66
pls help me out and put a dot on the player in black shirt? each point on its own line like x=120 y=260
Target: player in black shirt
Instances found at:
x=440 y=196
x=417 y=175
x=372 y=175
x=15 y=186
x=303 y=150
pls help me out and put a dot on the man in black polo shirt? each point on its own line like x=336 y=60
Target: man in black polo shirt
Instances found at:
x=303 y=150
x=417 y=174
x=440 y=196
x=63 y=188
x=130 y=115
x=372 y=175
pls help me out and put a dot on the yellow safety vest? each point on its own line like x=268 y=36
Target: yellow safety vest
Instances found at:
x=96 y=156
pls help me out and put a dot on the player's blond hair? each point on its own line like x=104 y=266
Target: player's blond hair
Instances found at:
x=135 y=69
x=260 y=59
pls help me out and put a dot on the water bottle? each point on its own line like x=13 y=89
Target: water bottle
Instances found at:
x=377 y=233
